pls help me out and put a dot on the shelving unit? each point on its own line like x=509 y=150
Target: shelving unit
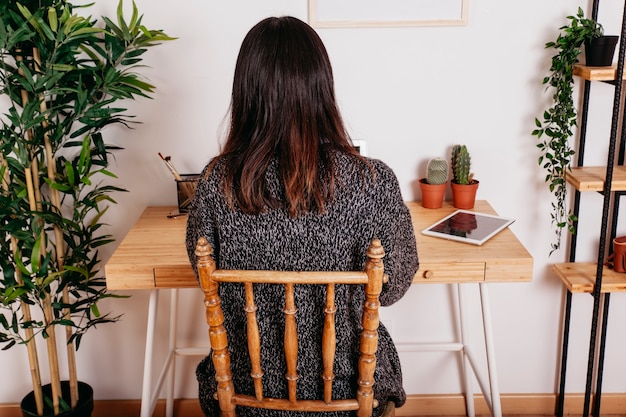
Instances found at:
x=592 y=178
x=610 y=180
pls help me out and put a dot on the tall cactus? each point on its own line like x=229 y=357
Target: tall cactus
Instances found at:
x=437 y=171
x=461 y=165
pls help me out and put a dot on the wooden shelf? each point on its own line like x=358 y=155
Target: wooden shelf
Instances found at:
x=596 y=73
x=580 y=277
x=592 y=178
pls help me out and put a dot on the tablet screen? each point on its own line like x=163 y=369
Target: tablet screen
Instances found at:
x=468 y=226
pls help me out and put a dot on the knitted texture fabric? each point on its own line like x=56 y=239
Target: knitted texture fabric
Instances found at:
x=364 y=207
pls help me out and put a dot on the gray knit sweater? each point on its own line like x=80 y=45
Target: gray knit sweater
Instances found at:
x=363 y=208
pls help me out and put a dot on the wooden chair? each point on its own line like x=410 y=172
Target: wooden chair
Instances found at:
x=372 y=278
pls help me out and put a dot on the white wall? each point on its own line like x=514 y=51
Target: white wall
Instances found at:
x=411 y=93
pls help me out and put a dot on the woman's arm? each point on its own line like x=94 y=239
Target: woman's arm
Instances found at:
x=396 y=234
x=200 y=220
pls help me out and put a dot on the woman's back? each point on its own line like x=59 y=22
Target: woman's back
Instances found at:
x=364 y=206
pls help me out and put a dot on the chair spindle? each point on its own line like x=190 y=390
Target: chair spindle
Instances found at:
x=254 y=342
x=329 y=342
x=291 y=342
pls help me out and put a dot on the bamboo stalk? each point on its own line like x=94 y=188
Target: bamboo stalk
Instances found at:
x=31 y=343
x=60 y=251
x=29 y=132
x=33 y=357
x=53 y=358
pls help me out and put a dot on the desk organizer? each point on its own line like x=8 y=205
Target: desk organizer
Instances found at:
x=186 y=189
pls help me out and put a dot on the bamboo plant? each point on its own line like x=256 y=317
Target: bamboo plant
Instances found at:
x=61 y=77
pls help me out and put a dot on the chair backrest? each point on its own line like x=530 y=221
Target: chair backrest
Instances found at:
x=372 y=278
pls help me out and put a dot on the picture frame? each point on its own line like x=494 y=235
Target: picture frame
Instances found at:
x=390 y=13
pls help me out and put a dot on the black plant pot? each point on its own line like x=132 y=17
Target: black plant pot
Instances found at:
x=82 y=409
x=599 y=52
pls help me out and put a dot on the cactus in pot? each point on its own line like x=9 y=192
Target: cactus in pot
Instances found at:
x=433 y=186
x=437 y=171
x=461 y=163
x=463 y=183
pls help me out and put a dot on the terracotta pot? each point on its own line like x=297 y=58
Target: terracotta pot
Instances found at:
x=432 y=194
x=464 y=195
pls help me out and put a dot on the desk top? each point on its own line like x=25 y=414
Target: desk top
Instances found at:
x=153 y=254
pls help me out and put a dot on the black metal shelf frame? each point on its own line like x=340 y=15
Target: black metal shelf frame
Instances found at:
x=610 y=213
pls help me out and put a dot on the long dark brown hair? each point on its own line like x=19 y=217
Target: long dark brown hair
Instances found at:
x=283 y=108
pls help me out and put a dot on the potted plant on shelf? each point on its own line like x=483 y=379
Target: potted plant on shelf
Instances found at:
x=554 y=131
x=61 y=77
x=433 y=186
x=463 y=184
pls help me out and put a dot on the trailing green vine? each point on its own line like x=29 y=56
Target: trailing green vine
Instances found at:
x=555 y=130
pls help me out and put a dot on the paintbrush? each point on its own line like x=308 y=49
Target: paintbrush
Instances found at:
x=170 y=166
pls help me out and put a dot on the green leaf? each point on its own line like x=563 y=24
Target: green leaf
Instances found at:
x=69 y=171
x=9 y=345
x=86 y=31
x=134 y=19
x=36 y=252
x=60 y=187
x=84 y=162
x=43 y=27
x=52 y=19
x=113 y=28
x=78 y=270
x=94 y=310
x=126 y=35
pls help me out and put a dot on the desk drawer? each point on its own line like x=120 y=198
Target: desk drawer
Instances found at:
x=450 y=272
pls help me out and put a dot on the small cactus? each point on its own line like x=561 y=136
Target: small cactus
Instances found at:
x=437 y=171
x=460 y=162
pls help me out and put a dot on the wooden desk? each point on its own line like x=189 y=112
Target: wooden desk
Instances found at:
x=501 y=259
x=152 y=256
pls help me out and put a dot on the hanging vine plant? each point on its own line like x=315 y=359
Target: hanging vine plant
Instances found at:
x=555 y=130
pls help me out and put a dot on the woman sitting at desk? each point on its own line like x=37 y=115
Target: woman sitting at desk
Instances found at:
x=289 y=192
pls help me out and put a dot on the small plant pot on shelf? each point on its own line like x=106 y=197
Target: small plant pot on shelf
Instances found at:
x=432 y=194
x=84 y=407
x=464 y=195
x=599 y=51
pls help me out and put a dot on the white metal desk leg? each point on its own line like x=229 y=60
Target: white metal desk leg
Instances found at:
x=491 y=356
x=146 y=403
x=467 y=368
x=169 y=402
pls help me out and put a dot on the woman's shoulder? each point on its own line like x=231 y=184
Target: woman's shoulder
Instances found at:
x=382 y=168
x=348 y=160
x=374 y=169
x=213 y=170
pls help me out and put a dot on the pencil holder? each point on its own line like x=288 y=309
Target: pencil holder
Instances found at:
x=186 y=189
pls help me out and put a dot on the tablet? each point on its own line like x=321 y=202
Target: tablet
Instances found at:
x=468 y=226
